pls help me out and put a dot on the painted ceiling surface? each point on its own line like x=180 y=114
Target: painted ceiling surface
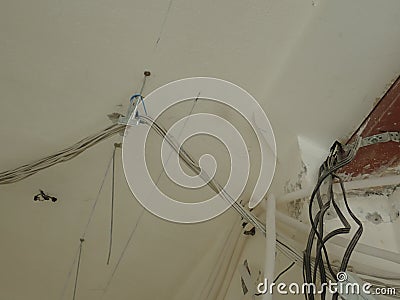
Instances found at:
x=316 y=68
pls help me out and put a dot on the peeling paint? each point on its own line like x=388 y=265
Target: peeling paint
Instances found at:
x=297 y=185
x=375 y=218
x=295 y=208
x=394 y=215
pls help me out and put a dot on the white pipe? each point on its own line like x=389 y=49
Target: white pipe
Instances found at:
x=270 y=246
x=343 y=242
x=350 y=185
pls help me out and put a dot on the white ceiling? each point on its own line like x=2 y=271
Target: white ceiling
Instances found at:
x=316 y=67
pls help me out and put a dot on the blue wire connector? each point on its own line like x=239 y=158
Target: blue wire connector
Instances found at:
x=141 y=99
x=133 y=109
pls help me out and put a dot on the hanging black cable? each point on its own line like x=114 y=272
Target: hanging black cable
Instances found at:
x=77 y=268
x=284 y=271
x=338 y=157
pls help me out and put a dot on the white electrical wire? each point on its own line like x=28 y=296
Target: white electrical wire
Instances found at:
x=20 y=173
x=27 y=170
x=286 y=249
x=15 y=175
x=192 y=164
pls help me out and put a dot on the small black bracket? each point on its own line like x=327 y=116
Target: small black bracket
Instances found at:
x=42 y=196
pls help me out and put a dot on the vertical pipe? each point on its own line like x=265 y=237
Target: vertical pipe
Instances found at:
x=270 y=246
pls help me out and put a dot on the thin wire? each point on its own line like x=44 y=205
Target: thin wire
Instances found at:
x=284 y=271
x=112 y=206
x=124 y=250
x=71 y=152
x=180 y=133
x=76 y=149
x=70 y=273
x=163 y=23
x=220 y=259
x=143 y=84
x=77 y=268
x=192 y=164
x=142 y=212
x=287 y=250
x=97 y=197
x=86 y=227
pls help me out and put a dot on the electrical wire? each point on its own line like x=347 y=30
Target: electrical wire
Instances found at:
x=338 y=157
x=284 y=271
x=77 y=268
x=112 y=206
x=138 y=220
x=20 y=173
x=282 y=246
x=142 y=212
x=192 y=164
x=333 y=163
x=25 y=171
x=15 y=175
x=215 y=186
x=70 y=272
x=92 y=211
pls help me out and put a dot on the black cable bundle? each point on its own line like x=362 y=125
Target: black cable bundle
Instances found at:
x=339 y=156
